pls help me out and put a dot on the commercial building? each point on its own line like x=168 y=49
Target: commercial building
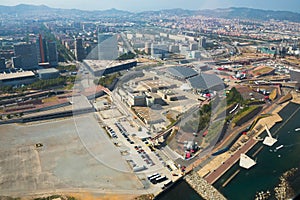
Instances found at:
x=159 y=50
x=52 y=52
x=202 y=42
x=184 y=49
x=202 y=67
x=155 y=85
x=17 y=78
x=148 y=48
x=103 y=67
x=49 y=73
x=153 y=99
x=42 y=49
x=174 y=49
x=194 y=55
x=79 y=50
x=25 y=56
x=193 y=46
x=295 y=75
x=181 y=73
x=2 y=64
x=204 y=82
x=145 y=99
x=148 y=117
x=136 y=99
x=169 y=95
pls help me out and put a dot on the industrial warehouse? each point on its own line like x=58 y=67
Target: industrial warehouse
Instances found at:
x=19 y=77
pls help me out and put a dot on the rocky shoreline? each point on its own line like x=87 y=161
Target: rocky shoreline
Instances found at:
x=283 y=190
x=202 y=187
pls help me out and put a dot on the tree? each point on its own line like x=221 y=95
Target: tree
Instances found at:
x=234 y=97
x=127 y=56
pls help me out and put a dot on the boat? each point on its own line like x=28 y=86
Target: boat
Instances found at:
x=257 y=138
x=279 y=147
x=297 y=129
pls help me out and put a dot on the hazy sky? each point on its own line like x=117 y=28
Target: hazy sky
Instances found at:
x=141 y=5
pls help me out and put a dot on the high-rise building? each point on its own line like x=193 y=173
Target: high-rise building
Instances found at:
x=295 y=75
x=2 y=64
x=148 y=48
x=79 y=50
x=202 y=42
x=52 y=53
x=42 y=49
x=26 y=56
x=194 y=46
x=159 y=50
x=47 y=51
x=107 y=46
x=174 y=48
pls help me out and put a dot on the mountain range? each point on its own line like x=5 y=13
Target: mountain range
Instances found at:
x=229 y=13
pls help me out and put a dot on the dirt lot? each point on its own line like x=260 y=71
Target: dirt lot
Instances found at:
x=76 y=156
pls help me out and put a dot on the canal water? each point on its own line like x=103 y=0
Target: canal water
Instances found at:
x=180 y=191
x=271 y=164
x=265 y=174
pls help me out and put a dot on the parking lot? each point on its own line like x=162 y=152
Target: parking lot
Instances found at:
x=130 y=139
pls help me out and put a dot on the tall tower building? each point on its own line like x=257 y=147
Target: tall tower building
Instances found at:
x=42 y=50
x=52 y=52
x=148 y=48
x=79 y=50
x=202 y=42
x=2 y=64
x=26 y=54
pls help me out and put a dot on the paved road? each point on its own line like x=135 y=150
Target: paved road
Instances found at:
x=216 y=174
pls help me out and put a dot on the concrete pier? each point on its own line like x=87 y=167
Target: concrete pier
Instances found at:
x=230 y=178
x=202 y=187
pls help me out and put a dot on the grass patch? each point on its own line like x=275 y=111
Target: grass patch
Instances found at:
x=107 y=80
x=50 y=99
x=243 y=114
x=262 y=70
x=234 y=97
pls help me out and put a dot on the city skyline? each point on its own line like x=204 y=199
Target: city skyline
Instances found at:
x=135 y=6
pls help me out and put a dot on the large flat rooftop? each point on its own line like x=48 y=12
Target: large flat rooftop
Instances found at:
x=24 y=74
x=97 y=65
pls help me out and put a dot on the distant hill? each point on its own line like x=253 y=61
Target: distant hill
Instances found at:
x=233 y=13
x=21 y=8
x=24 y=9
x=250 y=13
x=229 y=13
